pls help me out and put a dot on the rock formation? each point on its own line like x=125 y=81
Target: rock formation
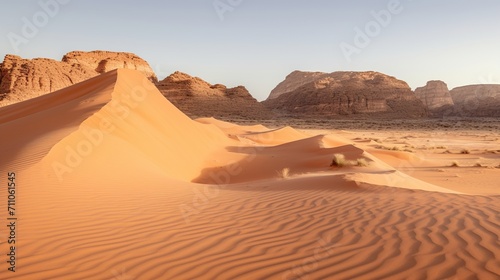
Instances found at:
x=23 y=79
x=477 y=100
x=198 y=98
x=293 y=81
x=434 y=95
x=344 y=93
x=105 y=61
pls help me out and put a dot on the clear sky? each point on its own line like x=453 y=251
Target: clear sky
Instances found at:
x=256 y=43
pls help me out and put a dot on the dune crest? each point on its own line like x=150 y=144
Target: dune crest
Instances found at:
x=116 y=182
x=141 y=128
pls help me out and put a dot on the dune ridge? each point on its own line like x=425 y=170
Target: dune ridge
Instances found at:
x=152 y=194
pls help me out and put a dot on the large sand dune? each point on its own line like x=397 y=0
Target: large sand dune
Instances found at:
x=114 y=182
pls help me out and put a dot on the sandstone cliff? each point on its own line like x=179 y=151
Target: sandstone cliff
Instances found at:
x=23 y=79
x=105 y=61
x=198 y=98
x=434 y=95
x=344 y=93
x=293 y=81
x=477 y=100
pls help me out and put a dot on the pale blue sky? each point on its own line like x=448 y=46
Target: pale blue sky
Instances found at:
x=257 y=42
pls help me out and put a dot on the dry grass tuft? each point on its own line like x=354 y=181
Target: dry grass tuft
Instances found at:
x=362 y=162
x=465 y=152
x=285 y=173
x=338 y=160
x=455 y=164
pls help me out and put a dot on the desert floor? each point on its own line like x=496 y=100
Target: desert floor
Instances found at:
x=113 y=182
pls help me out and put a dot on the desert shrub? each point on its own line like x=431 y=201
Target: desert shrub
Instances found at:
x=285 y=173
x=455 y=164
x=465 y=152
x=361 y=162
x=338 y=160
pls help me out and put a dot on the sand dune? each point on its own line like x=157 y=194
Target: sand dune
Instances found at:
x=116 y=183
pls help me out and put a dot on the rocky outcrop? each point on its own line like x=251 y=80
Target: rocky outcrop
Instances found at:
x=293 y=81
x=345 y=93
x=434 y=95
x=198 y=98
x=23 y=79
x=105 y=61
x=477 y=100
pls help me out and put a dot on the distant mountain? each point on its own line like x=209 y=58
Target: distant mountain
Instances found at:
x=198 y=98
x=293 y=81
x=344 y=93
x=435 y=95
x=476 y=100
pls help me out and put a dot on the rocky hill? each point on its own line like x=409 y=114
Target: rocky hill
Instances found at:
x=293 y=81
x=22 y=79
x=477 y=100
x=435 y=95
x=345 y=93
x=198 y=98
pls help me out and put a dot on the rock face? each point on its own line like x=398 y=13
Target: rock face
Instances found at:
x=477 y=100
x=105 y=61
x=345 y=93
x=293 y=81
x=198 y=98
x=23 y=79
x=434 y=95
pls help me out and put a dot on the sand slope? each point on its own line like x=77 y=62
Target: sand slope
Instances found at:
x=116 y=183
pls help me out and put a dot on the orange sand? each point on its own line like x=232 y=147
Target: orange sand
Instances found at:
x=115 y=183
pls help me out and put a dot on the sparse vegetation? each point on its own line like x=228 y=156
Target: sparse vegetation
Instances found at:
x=455 y=164
x=478 y=164
x=395 y=148
x=338 y=160
x=285 y=173
x=362 y=162
x=465 y=152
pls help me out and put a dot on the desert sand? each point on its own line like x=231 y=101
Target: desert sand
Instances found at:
x=114 y=182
